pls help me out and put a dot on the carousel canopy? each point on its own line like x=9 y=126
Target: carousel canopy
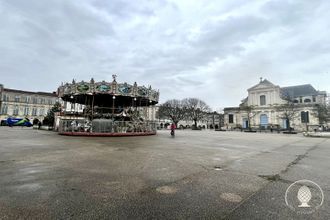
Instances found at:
x=108 y=93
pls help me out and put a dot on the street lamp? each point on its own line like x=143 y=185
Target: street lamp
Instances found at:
x=151 y=109
x=135 y=103
x=71 y=104
x=113 y=105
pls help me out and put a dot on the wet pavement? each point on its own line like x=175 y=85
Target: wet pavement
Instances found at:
x=196 y=175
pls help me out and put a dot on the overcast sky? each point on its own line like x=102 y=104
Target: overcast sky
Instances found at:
x=212 y=50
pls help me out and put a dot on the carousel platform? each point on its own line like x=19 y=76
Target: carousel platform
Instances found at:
x=117 y=134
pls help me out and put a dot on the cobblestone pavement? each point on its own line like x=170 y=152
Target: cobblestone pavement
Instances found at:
x=197 y=174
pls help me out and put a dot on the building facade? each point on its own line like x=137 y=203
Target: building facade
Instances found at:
x=25 y=104
x=214 y=120
x=263 y=112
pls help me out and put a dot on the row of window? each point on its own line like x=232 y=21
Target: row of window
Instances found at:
x=26 y=110
x=304 y=116
x=28 y=99
x=263 y=100
x=305 y=100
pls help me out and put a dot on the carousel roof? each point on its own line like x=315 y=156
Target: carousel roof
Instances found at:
x=102 y=92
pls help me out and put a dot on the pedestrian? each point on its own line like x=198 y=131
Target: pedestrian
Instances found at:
x=39 y=125
x=271 y=128
x=173 y=127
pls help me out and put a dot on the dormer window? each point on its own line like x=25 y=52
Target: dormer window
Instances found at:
x=262 y=100
x=314 y=98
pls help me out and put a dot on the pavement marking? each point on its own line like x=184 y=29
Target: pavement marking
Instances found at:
x=231 y=197
x=217 y=168
x=166 y=189
x=29 y=187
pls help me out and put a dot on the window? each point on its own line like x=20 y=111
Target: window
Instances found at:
x=263 y=120
x=17 y=98
x=300 y=99
x=35 y=100
x=34 y=111
x=314 y=98
x=231 y=118
x=41 y=112
x=26 y=110
x=50 y=102
x=295 y=101
x=262 y=100
x=307 y=100
x=27 y=99
x=16 y=109
x=4 y=109
x=304 y=117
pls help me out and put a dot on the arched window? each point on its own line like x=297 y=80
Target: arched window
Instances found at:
x=307 y=100
x=263 y=120
x=262 y=100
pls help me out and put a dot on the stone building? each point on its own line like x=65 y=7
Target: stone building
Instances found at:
x=18 y=103
x=264 y=100
x=214 y=120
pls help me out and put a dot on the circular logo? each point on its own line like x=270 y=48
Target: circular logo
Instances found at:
x=304 y=196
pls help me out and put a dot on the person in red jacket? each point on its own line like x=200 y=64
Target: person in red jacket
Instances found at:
x=173 y=127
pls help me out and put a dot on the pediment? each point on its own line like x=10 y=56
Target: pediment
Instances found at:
x=265 y=84
x=262 y=87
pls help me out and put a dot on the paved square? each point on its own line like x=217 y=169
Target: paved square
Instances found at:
x=197 y=174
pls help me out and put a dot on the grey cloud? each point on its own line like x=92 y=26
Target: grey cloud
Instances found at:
x=124 y=9
x=44 y=43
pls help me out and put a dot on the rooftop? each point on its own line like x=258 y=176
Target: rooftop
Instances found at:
x=300 y=90
x=53 y=94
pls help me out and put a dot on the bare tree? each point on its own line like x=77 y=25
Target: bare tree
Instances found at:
x=251 y=113
x=288 y=110
x=196 y=109
x=322 y=112
x=172 y=109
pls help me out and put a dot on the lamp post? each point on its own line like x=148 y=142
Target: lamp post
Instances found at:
x=71 y=103
x=152 y=113
x=93 y=106
x=113 y=106
x=135 y=103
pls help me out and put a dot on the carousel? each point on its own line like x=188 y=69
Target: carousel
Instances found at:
x=106 y=109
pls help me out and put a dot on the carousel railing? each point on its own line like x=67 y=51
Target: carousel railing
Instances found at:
x=106 y=126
